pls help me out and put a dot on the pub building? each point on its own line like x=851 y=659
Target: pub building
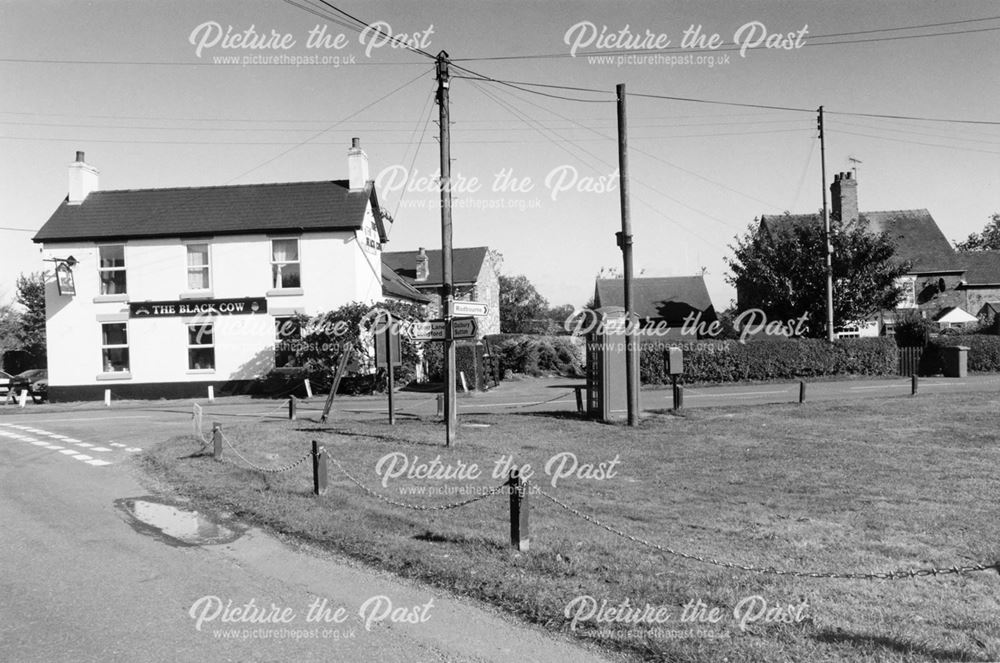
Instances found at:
x=160 y=293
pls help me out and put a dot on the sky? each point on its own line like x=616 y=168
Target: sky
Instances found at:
x=160 y=94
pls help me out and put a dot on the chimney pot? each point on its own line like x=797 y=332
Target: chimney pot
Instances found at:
x=79 y=156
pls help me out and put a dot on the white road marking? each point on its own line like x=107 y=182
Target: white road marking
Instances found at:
x=54 y=447
x=100 y=449
x=69 y=452
x=96 y=419
x=98 y=463
x=133 y=449
x=83 y=444
x=116 y=444
x=83 y=457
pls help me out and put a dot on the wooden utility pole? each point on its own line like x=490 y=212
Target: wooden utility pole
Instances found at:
x=450 y=406
x=625 y=243
x=826 y=234
x=390 y=377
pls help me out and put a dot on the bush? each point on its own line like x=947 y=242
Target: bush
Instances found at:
x=770 y=359
x=539 y=355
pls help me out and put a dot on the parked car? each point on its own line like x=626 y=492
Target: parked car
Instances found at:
x=35 y=380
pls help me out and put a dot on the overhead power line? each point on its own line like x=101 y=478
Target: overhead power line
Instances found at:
x=677 y=49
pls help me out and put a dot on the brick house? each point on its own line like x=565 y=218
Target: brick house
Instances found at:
x=473 y=275
x=939 y=277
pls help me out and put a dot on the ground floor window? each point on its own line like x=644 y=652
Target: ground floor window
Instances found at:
x=287 y=334
x=201 y=346
x=114 y=347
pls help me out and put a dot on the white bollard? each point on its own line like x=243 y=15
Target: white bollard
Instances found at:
x=107 y=398
x=211 y=393
x=309 y=389
x=24 y=398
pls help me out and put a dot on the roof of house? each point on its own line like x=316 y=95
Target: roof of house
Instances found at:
x=917 y=236
x=215 y=210
x=992 y=306
x=981 y=267
x=465 y=266
x=670 y=298
x=393 y=285
x=952 y=314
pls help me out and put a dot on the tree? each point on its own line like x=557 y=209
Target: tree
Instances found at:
x=10 y=325
x=784 y=274
x=31 y=332
x=988 y=240
x=520 y=303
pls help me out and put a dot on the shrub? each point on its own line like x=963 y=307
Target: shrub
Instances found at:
x=539 y=355
x=770 y=359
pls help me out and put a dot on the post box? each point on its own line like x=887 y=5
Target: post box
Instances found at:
x=674 y=358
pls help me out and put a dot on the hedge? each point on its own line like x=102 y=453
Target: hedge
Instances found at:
x=770 y=359
x=539 y=355
x=984 y=351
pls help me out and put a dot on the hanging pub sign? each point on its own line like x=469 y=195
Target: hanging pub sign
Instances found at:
x=184 y=307
x=64 y=279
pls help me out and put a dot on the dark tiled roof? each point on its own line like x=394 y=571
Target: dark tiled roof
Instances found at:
x=465 y=267
x=669 y=298
x=217 y=210
x=982 y=267
x=393 y=285
x=917 y=236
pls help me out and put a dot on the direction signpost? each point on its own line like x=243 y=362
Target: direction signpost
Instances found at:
x=434 y=330
x=469 y=308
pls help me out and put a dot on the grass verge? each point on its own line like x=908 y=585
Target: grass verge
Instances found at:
x=845 y=487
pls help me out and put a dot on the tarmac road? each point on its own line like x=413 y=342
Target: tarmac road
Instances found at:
x=79 y=583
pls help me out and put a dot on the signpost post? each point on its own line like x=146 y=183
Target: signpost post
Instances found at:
x=437 y=330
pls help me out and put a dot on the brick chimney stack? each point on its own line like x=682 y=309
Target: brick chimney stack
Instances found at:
x=844 y=197
x=423 y=271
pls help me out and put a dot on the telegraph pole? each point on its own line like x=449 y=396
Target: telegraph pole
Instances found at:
x=450 y=406
x=826 y=233
x=625 y=243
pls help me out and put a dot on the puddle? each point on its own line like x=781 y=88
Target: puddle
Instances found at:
x=175 y=524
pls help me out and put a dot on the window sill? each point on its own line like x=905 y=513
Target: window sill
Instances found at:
x=115 y=375
x=201 y=371
x=196 y=294
x=110 y=298
x=284 y=292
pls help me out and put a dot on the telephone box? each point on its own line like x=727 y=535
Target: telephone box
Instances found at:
x=606 y=376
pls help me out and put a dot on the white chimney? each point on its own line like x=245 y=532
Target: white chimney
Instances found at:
x=357 y=165
x=82 y=180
